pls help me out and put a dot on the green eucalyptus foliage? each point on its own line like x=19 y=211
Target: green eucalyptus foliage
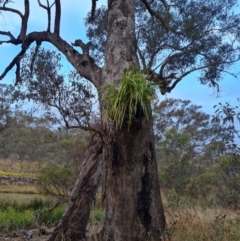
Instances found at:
x=122 y=104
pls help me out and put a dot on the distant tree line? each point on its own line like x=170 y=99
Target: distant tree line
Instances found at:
x=198 y=155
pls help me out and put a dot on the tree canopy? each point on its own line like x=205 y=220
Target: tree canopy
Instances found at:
x=173 y=39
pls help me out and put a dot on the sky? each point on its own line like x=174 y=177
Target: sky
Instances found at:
x=72 y=28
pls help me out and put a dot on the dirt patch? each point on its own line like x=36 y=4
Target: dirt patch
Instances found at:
x=33 y=234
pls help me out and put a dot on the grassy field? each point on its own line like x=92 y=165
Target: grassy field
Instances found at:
x=28 y=189
x=20 y=198
x=26 y=168
x=193 y=222
x=18 y=169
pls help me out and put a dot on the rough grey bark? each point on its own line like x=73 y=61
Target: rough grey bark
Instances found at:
x=74 y=221
x=121 y=47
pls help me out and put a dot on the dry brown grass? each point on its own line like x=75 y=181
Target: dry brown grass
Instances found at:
x=20 y=198
x=24 y=189
x=20 y=166
x=198 y=224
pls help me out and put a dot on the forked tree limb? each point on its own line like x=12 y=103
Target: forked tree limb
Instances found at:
x=25 y=17
x=83 y=63
x=48 y=9
x=82 y=196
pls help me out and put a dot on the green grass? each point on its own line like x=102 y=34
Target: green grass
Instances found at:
x=25 y=213
x=51 y=218
x=96 y=214
x=134 y=95
x=16 y=174
x=11 y=219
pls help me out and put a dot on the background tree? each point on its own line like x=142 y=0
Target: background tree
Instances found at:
x=198 y=153
x=167 y=41
x=207 y=134
x=5 y=106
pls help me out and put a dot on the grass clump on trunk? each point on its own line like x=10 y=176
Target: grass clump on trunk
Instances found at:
x=135 y=93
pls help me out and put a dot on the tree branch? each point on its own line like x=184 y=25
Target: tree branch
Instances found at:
x=15 y=61
x=141 y=58
x=25 y=17
x=165 y=4
x=170 y=88
x=83 y=63
x=48 y=9
x=11 y=10
x=68 y=126
x=12 y=39
x=84 y=47
x=57 y=17
x=153 y=13
x=94 y=4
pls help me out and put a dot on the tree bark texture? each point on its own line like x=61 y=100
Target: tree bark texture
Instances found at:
x=134 y=210
x=74 y=221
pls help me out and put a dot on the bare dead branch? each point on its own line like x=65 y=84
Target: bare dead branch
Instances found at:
x=57 y=17
x=94 y=4
x=48 y=9
x=25 y=17
x=6 y=2
x=83 y=63
x=11 y=10
x=7 y=34
x=41 y=5
x=12 y=39
x=14 y=62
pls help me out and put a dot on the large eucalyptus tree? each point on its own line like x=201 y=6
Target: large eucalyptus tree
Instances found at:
x=133 y=44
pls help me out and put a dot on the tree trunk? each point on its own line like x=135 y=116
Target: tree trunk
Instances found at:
x=74 y=221
x=134 y=209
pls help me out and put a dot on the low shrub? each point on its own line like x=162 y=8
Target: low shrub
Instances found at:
x=52 y=217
